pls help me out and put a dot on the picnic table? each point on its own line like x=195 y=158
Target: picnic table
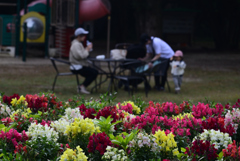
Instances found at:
x=110 y=71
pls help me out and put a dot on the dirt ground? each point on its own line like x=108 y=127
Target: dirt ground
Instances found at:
x=212 y=61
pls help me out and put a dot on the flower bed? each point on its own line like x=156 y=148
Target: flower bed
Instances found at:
x=41 y=127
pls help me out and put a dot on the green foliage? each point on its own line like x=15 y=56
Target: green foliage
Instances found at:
x=37 y=116
x=104 y=100
x=76 y=101
x=6 y=129
x=138 y=101
x=108 y=98
x=1 y=96
x=105 y=124
x=41 y=149
x=212 y=104
x=123 y=139
x=79 y=140
x=182 y=141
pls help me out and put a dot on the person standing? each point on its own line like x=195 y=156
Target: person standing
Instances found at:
x=157 y=49
x=178 y=66
x=77 y=58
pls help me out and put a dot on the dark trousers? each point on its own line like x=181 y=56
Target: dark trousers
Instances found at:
x=164 y=70
x=89 y=73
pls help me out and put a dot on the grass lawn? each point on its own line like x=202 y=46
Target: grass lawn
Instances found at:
x=207 y=77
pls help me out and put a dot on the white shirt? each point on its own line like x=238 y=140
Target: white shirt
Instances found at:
x=77 y=55
x=76 y=67
x=179 y=67
x=160 y=47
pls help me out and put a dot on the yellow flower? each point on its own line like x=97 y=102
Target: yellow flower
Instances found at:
x=167 y=142
x=83 y=126
x=182 y=116
x=175 y=151
x=76 y=155
x=136 y=109
x=14 y=101
x=29 y=111
x=21 y=100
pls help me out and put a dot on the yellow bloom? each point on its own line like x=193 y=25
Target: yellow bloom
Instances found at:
x=21 y=100
x=167 y=142
x=29 y=111
x=182 y=116
x=83 y=126
x=175 y=151
x=136 y=109
x=76 y=155
x=14 y=101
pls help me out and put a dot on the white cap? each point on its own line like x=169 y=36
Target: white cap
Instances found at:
x=80 y=31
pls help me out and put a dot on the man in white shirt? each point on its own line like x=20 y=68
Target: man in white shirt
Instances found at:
x=157 y=49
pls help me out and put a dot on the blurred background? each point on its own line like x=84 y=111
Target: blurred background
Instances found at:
x=187 y=24
x=207 y=31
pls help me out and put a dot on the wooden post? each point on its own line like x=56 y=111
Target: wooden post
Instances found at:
x=25 y=34
x=108 y=37
x=47 y=30
x=17 y=29
x=24 y=42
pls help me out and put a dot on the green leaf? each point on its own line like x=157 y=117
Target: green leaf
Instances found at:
x=204 y=118
x=183 y=149
x=180 y=155
x=116 y=142
x=2 y=126
x=220 y=155
x=111 y=136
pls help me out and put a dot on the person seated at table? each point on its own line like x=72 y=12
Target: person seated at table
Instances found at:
x=77 y=58
x=135 y=51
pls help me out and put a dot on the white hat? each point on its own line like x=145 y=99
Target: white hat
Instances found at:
x=80 y=31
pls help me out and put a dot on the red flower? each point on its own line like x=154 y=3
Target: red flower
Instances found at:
x=107 y=111
x=217 y=123
x=98 y=142
x=8 y=99
x=201 y=148
x=45 y=123
x=6 y=121
x=128 y=108
x=237 y=104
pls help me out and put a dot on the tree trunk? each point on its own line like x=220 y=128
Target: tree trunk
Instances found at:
x=148 y=16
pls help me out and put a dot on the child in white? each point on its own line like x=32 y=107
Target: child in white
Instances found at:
x=178 y=66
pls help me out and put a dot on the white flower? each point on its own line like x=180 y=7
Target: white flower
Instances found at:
x=71 y=114
x=38 y=130
x=60 y=125
x=216 y=137
x=114 y=157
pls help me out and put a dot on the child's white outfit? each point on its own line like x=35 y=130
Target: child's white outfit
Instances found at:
x=177 y=73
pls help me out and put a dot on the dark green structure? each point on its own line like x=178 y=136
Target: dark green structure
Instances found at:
x=7 y=27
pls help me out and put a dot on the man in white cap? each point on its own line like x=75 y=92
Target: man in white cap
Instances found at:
x=77 y=58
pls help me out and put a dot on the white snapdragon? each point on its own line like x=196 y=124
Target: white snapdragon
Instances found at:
x=38 y=130
x=144 y=140
x=128 y=118
x=70 y=114
x=5 y=111
x=60 y=125
x=233 y=118
x=114 y=154
x=220 y=139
